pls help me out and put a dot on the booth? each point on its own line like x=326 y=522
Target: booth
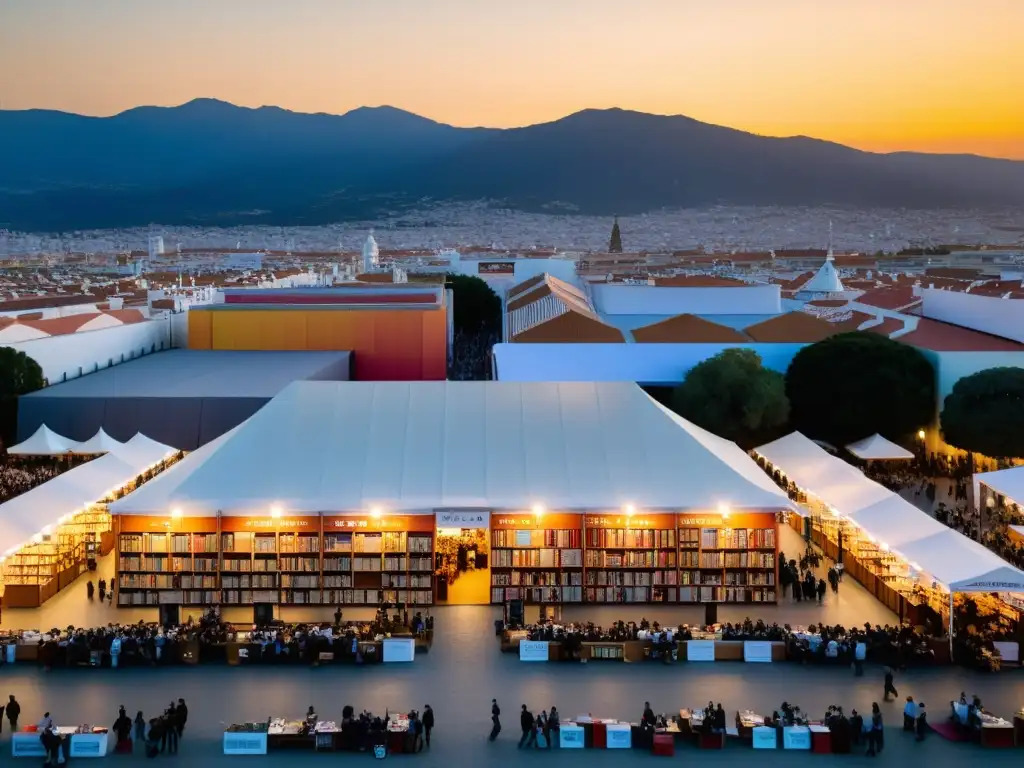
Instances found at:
x=619 y=736
x=399 y=649
x=796 y=737
x=246 y=739
x=765 y=738
x=77 y=742
x=570 y=735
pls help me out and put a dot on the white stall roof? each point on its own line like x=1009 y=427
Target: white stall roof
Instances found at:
x=895 y=521
x=877 y=448
x=101 y=442
x=421 y=446
x=44 y=442
x=28 y=514
x=143 y=451
x=153 y=498
x=1007 y=482
x=838 y=484
x=962 y=564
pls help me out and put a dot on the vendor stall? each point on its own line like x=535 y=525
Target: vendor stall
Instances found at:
x=246 y=739
x=81 y=741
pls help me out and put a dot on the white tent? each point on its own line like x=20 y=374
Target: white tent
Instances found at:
x=422 y=446
x=154 y=497
x=894 y=521
x=43 y=506
x=101 y=442
x=877 y=448
x=143 y=451
x=44 y=442
x=811 y=467
x=962 y=564
x=1006 y=482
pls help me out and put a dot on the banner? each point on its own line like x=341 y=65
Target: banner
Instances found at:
x=533 y=650
x=463 y=519
x=700 y=650
x=757 y=651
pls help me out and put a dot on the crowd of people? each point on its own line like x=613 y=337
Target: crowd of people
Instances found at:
x=118 y=645
x=19 y=475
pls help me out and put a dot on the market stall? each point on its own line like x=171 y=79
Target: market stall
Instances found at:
x=81 y=741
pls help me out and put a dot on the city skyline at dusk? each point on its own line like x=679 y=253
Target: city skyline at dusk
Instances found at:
x=939 y=76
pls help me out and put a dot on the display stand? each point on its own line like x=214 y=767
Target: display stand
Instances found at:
x=398 y=649
x=765 y=738
x=821 y=739
x=92 y=745
x=26 y=744
x=796 y=737
x=619 y=736
x=570 y=736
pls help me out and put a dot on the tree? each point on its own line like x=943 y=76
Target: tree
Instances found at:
x=615 y=244
x=985 y=413
x=477 y=308
x=19 y=375
x=852 y=385
x=734 y=396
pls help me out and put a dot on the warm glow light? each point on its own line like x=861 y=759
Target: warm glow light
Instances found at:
x=275 y=511
x=47 y=530
x=630 y=510
x=375 y=513
x=883 y=546
x=920 y=434
x=176 y=512
x=538 y=509
x=723 y=510
x=37 y=539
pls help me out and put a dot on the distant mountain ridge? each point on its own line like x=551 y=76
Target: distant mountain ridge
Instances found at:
x=210 y=162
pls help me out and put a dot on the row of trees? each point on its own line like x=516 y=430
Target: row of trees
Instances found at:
x=19 y=375
x=848 y=387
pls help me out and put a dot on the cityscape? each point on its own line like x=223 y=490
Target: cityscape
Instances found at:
x=584 y=400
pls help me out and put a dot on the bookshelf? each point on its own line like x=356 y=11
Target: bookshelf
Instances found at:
x=728 y=560
x=538 y=559
x=312 y=560
x=631 y=558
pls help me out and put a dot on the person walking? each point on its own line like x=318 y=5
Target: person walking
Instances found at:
x=876 y=737
x=526 y=722
x=181 y=717
x=889 y=687
x=140 y=729
x=172 y=730
x=428 y=723
x=13 y=710
x=102 y=589
x=89 y=590
x=495 y=720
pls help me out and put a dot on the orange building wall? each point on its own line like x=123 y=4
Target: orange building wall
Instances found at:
x=389 y=345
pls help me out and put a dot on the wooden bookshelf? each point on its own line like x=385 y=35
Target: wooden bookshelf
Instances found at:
x=538 y=559
x=631 y=558
x=728 y=560
x=311 y=560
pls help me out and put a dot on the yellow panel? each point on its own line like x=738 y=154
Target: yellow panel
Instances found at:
x=199 y=329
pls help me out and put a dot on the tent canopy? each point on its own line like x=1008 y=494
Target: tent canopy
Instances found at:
x=421 y=446
x=101 y=442
x=44 y=442
x=877 y=448
x=142 y=451
x=895 y=521
x=962 y=564
x=1006 y=482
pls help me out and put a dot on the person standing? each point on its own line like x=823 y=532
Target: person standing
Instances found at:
x=103 y=589
x=182 y=717
x=876 y=737
x=89 y=589
x=889 y=687
x=140 y=728
x=922 y=722
x=526 y=722
x=495 y=721
x=172 y=730
x=909 y=715
x=13 y=713
x=428 y=723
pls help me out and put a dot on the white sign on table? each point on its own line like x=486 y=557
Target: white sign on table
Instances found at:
x=765 y=738
x=619 y=736
x=399 y=649
x=463 y=519
x=91 y=744
x=26 y=745
x=533 y=650
x=570 y=736
x=796 y=737
x=700 y=650
x=757 y=652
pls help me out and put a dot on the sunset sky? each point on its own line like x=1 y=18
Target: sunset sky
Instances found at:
x=931 y=75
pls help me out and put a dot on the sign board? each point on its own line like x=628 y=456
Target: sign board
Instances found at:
x=570 y=736
x=796 y=737
x=477 y=519
x=619 y=736
x=765 y=738
x=245 y=743
x=399 y=649
x=26 y=745
x=1008 y=651
x=90 y=745
x=700 y=650
x=533 y=650
x=757 y=651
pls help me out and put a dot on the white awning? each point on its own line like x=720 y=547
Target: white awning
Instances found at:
x=894 y=521
x=877 y=448
x=44 y=442
x=101 y=442
x=962 y=564
x=1006 y=482
x=422 y=446
x=143 y=451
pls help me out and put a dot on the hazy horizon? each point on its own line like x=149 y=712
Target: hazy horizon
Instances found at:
x=920 y=75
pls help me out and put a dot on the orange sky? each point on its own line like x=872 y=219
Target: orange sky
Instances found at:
x=932 y=75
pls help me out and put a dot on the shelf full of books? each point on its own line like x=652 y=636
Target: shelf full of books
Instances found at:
x=641 y=558
x=310 y=560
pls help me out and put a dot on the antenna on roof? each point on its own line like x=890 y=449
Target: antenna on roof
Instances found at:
x=830 y=256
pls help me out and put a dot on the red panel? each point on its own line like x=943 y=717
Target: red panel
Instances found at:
x=296 y=299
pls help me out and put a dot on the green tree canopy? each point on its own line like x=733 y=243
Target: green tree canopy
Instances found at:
x=853 y=385
x=734 y=396
x=19 y=375
x=477 y=307
x=985 y=413
x=615 y=242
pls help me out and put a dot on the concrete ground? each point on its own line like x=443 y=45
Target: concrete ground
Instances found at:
x=465 y=669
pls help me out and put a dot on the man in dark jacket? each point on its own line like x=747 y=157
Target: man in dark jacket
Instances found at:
x=182 y=717
x=529 y=737
x=648 y=716
x=495 y=721
x=428 y=723
x=13 y=713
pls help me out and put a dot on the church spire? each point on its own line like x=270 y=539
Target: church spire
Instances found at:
x=615 y=244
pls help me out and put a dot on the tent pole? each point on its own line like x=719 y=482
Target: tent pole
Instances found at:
x=951 y=626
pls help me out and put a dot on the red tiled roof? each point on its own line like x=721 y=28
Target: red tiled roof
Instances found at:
x=126 y=316
x=57 y=326
x=942 y=337
x=889 y=298
x=887 y=327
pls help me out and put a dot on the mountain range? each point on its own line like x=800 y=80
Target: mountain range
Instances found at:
x=208 y=162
